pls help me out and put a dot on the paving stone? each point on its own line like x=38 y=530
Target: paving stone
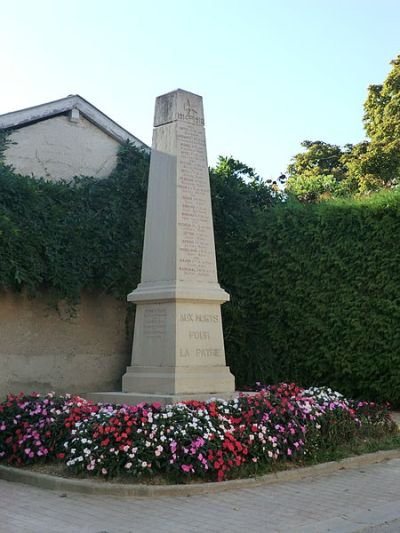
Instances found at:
x=344 y=502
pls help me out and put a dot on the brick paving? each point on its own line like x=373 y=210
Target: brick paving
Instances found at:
x=345 y=502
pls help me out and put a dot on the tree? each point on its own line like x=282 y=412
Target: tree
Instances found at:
x=378 y=164
x=320 y=158
x=311 y=187
x=324 y=170
x=317 y=172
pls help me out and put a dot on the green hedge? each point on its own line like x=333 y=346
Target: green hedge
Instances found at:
x=318 y=298
x=85 y=234
x=315 y=289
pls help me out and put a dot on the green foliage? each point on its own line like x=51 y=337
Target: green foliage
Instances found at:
x=382 y=107
x=237 y=196
x=379 y=165
x=86 y=233
x=320 y=172
x=319 y=158
x=4 y=142
x=365 y=167
x=314 y=288
x=310 y=187
x=320 y=290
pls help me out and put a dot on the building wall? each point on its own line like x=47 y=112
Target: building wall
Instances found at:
x=44 y=348
x=59 y=148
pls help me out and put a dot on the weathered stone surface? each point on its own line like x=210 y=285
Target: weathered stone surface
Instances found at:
x=178 y=346
x=43 y=347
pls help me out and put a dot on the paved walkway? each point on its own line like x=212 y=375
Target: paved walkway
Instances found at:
x=344 y=502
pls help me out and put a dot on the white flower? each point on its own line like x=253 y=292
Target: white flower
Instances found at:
x=128 y=465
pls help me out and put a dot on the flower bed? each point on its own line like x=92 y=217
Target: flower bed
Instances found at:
x=213 y=440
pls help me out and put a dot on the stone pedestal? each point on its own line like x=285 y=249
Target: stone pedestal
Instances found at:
x=178 y=348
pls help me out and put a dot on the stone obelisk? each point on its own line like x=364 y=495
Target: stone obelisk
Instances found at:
x=178 y=347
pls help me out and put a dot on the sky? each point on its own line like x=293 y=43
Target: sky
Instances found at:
x=272 y=73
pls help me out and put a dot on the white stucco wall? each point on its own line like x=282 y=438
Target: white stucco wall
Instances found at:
x=58 y=148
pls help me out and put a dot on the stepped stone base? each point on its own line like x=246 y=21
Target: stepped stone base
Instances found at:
x=173 y=385
x=133 y=398
x=174 y=380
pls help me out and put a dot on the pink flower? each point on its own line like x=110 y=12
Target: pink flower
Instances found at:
x=187 y=468
x=158 y=451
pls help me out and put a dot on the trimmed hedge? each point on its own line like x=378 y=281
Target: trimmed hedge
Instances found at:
x=319 y=297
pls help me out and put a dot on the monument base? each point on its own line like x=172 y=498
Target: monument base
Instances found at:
x=164 y=380
x=133 y=398
x=172 y=385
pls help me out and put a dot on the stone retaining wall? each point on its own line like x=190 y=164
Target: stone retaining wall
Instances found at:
x=44 y=347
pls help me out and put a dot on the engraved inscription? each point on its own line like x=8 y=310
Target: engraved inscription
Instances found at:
x=207 y=352
x=198 y=317
x=155 y=322
x=200 y=352
x=200 y=335
x=196 y=252
x=190 y=114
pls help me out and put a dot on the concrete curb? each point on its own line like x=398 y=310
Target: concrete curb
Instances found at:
x=85 y=486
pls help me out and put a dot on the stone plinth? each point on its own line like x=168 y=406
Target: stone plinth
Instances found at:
x=178 y=348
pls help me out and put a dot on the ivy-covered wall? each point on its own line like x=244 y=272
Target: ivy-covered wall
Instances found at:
x=69 y=254
x=70 y=236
